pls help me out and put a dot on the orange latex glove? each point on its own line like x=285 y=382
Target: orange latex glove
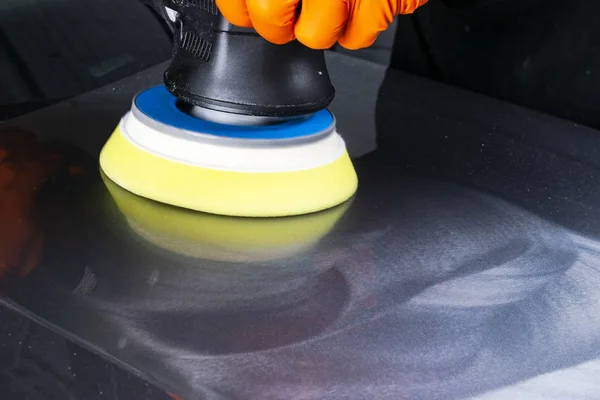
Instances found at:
x=318 y=24
x=25 y=164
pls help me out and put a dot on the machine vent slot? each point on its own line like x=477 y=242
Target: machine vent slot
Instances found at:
x=196 y=46
x=210 y=6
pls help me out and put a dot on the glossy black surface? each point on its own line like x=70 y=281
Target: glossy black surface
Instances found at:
x=466 y=266
x=38 y=364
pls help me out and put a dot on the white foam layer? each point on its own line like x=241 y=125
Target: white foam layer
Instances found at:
x=193 y=149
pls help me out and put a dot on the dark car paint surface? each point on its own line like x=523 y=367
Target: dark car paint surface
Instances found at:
x=466 y=266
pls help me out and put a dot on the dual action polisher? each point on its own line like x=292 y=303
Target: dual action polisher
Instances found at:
x=240 y=126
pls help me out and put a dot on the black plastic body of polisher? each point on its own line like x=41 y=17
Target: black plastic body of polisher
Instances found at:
x=222 y=67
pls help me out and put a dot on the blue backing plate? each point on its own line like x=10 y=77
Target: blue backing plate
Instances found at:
x=160 y=105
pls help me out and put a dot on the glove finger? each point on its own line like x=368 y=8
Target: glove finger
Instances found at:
x=321 y=23
x=409 y=6
x=365 y=22
x=236 y=12
x=274 y=19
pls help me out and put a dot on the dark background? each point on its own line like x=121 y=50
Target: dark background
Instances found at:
x=56 y=49
x=542 y=54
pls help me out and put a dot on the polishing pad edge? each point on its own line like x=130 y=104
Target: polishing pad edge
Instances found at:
x=242 y=194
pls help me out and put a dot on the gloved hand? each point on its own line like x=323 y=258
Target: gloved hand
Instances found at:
x=354 y=24
x=25 y=164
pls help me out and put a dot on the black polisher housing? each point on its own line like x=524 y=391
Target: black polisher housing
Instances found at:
x=222 y=67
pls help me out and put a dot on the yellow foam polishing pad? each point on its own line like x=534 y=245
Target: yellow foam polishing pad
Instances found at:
x=208 y=236
x=226 y=192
